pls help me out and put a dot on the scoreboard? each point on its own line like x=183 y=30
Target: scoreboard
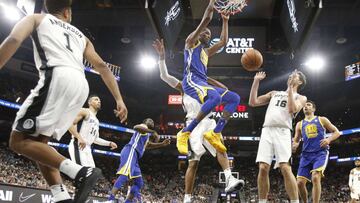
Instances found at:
x=352 y=71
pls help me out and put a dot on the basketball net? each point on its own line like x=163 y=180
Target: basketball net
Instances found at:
x=229 y=6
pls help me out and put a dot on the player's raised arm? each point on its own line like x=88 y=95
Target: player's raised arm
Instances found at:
x=254 y=99
x=108 y=78
x=335 y=134
x=224 y=37
x=142 y=128
x=193 y=37
x=164 y=75
x=153 y=145
x=83 y=114
x=19 y=33
x=297 y=137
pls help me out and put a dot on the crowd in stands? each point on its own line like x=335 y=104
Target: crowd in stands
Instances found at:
x=165 y=183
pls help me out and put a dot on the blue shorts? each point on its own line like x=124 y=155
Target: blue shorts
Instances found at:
x=312 y=161
x=197 y=88
x=129 y=165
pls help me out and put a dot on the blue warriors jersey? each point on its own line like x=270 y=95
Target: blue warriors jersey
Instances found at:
x=312 y=133
x=195 y=62
x=138 y=142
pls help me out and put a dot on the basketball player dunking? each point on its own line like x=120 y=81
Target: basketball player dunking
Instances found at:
x=62 y=90
x=129 y=161
x=88 y=133
x=195 y=82
x=315 y=150
x=197 y=142
x=354 y=182
x=276 y=133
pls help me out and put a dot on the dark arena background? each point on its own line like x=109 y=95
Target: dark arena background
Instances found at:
x=325 y=46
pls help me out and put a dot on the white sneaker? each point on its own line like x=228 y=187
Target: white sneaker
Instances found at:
x=187 y=199
x=233 y=184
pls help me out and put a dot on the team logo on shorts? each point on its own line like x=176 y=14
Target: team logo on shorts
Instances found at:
x=28 y=123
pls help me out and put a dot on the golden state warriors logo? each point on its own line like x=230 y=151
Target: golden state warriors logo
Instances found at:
x=311 y=131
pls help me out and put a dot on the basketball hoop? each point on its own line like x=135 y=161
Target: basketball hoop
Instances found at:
x=229 y=6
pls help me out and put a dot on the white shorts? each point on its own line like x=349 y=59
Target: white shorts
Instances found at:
x=197 y=141
x=276 y=142
x=53 y=104
x=82 y=157
x=355 y=194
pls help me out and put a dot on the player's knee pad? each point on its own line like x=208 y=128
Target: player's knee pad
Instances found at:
x=214 y=96
x=137 y=185
x=120 y=181
x=232 y=99
x=212 y=99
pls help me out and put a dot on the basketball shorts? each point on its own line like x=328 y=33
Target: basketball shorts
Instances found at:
x=355 y=194
x=53 y=104
x=82 y=157
x=275 y=143
x=197 y=88
x=129 y=163
x=312 y=161
x=198 y=145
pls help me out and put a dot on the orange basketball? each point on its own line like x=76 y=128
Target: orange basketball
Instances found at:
x=251 y=60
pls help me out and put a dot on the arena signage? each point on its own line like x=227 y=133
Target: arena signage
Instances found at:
x=352 y=71
x=292 y=10
x=175 y=100
x=235 y=45
x=172 y=13
x=17 y=194
x=242 y=112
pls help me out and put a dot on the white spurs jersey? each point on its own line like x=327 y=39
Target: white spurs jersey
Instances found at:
x=277 y=113
x=88 y=128
x=57 y=43
x=191 y=106
x=354 y=179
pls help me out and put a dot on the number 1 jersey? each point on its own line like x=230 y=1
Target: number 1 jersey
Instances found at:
x=58 y=44
x=277 y=113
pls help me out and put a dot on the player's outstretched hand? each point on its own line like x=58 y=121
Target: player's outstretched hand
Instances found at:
x=324 y=142
x=121 y=111
x=166 y=142
x=159 y=47
x=225 y=15
x=260 y=76
x=113 y=145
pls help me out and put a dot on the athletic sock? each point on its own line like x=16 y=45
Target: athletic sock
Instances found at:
x=262 y=200
x=69 y=168
x=187 y=198
x=227 y=173
x=59 y=192
x=191 y=126
x=294 y=201
x=220 y=125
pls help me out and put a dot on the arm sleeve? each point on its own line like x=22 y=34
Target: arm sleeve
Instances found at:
x=164 y=75
x=101 y=142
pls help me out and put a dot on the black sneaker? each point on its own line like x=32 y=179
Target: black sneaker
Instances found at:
x=85 y=180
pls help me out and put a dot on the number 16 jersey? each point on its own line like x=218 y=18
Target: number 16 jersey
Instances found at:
x=277 y=113
x=57 y=43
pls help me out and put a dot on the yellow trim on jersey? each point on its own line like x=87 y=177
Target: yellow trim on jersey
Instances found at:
x=322 y=125
x=310 y=119
x=196 y=45
x=320 y=169
x=226 y=91
x=303 y=177
x=204 y=58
